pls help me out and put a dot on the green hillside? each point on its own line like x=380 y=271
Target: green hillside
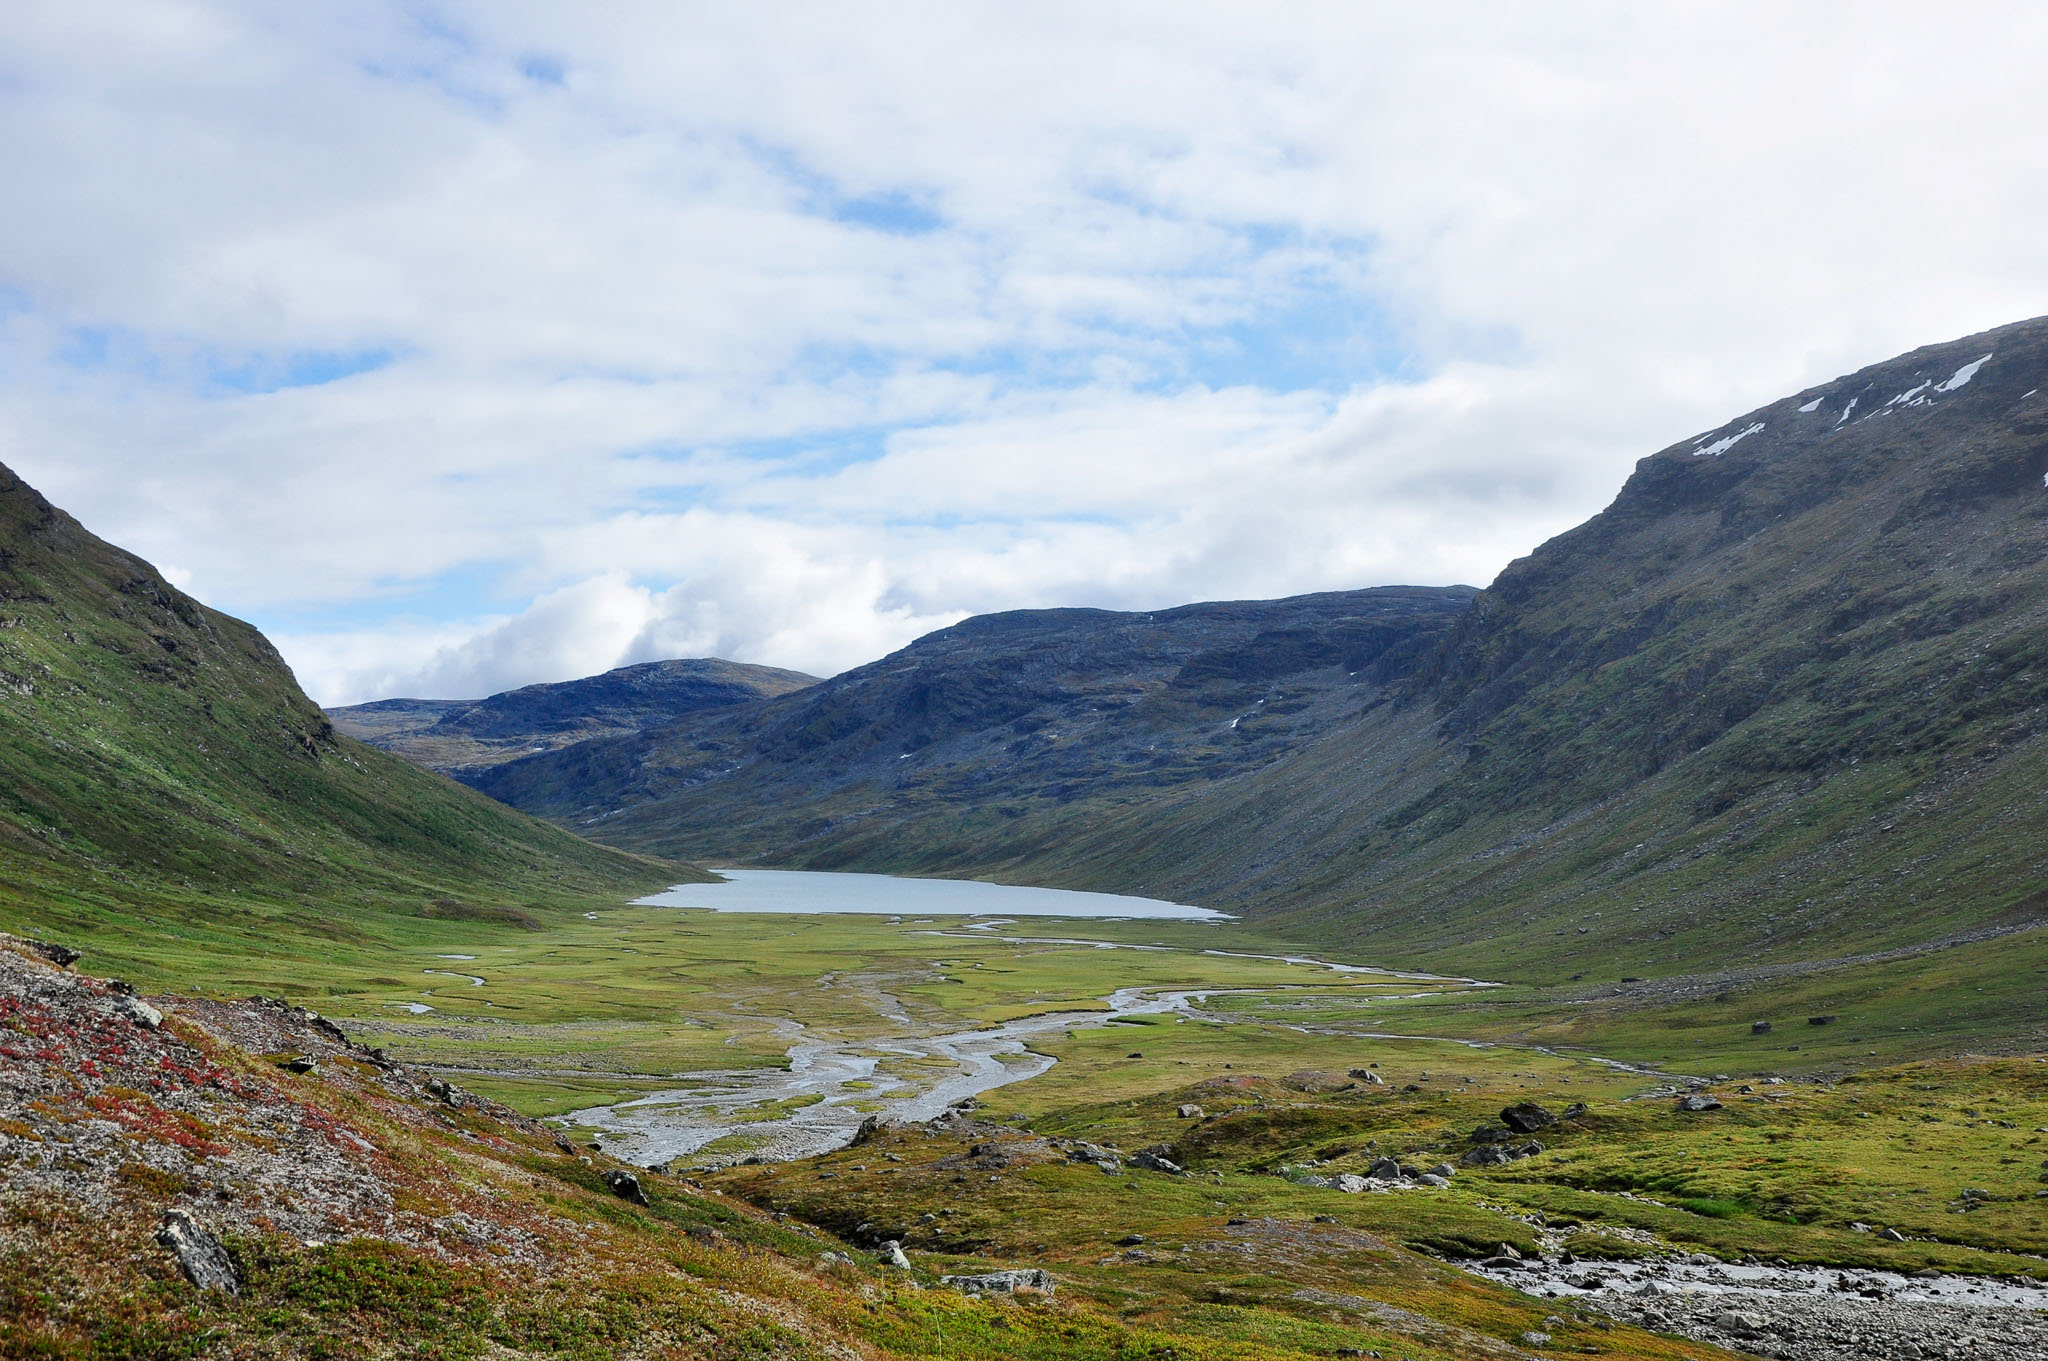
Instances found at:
x=169 y=791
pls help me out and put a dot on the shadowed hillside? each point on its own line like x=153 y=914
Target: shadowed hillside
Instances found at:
x=981 y=740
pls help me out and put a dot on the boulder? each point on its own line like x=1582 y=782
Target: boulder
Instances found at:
x=1431 y=1179
x=1350 y=1183
x=1444 y=1170
x=1820 y=1020
x=1698 y=1102
x=625 y=1186
x=298 y=1063
x=1156 y=1162
x=1486 y=1155
x=1739 y=1323
x=1189 y=1112
x=1384 y=1169
x=63 y=956
x=1759 y=1027
x=200 y=1256
x=139 y=1011
x=1003 y=1282
x=1526 y=1117
x=1368 y=1077
x=1574 y=1111
x=869 y=1128
x=891 y=1253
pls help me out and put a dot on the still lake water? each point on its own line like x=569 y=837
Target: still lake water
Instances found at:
x=886 y=895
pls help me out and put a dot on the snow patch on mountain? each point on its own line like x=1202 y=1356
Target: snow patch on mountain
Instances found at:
x=1727 y=442
x=1962 y=375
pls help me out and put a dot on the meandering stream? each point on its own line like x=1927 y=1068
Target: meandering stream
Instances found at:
x=831 y=1085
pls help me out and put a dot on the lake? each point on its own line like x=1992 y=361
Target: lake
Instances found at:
x=890 y=896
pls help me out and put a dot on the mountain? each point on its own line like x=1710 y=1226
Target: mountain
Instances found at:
x=992 y=727
x=1786 y=697
x=167 y=781
x=461 y=737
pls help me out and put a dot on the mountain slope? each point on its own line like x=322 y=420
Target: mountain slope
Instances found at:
x=1786 y=699
x=459 y=737
x=165 y=776
x=1787 y=695
x=1017 y=720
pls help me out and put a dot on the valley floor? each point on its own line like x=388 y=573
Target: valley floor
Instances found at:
x=1269 y=1158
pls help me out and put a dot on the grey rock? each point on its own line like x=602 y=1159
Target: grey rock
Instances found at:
x=1431 y=1179
x=200 y=1256
x=1533 y=1339
x=1740 y=1323
x=891 y=1253
x=625 y=1186
x=1189 y=1112
x=1003 y=1282
x=1368 y=1077
x=139 y=1011
x=1384 y=1169
x=1444 y=1170
x=1759 y=1027
x=1156 y=1162
x=869 y=1128
x=1698 y=1102
x=298 y=1064
x=1526 y=1117
x=1350 y=1183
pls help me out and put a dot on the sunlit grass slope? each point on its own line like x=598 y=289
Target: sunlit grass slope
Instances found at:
x=171 y=801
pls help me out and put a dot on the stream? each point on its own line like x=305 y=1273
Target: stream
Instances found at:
x=830 y=1086
x=713 y=1104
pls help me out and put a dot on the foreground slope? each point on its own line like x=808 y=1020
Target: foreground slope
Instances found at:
x=168 y=786
x=347 y=1204
x=461 y=737
x=1784 y=699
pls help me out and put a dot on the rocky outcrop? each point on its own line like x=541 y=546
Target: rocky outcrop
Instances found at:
x=1011 y=1282
x=200 y=1255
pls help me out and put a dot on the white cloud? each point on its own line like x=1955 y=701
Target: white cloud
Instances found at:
x=788 y=333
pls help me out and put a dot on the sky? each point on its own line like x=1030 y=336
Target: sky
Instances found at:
x=461 y=346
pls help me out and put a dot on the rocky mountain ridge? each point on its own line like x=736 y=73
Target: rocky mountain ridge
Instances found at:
x=462 y=737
